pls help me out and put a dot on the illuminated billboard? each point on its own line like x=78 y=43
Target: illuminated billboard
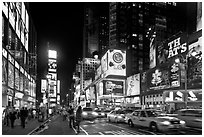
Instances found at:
x=133 y=85
x=43 y=86
x=52 y=65
x=175 y=45
x=104 y=63
x=10 y=75
x=4 y=71
x=195 y=65
x=17 y=80
x=52 y=54
x=114 y=87
x=114 y=63
x=166 y=76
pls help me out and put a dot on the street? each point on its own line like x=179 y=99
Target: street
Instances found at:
x=102 y=127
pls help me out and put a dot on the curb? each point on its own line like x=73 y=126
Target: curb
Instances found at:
x=34 y=130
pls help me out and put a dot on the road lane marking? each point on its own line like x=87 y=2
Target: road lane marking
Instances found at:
x=84 y=130
x=101 y=133
x=132 y=132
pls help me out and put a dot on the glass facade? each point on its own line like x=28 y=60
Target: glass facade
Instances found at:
x=17 y=84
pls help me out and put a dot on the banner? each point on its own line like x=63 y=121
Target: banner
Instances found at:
x=133 y=85
x=175 y=45
x=111 y=86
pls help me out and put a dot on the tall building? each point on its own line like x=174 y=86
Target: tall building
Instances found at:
x=130 y=26
x=95 y=37
x=19 y=42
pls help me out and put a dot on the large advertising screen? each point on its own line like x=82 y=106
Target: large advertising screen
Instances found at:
x=133 y=85
x=21 y=82
x=175 y=45
x=166 y=76
x=17 y=79
x=4 y=71
x=195 y=65
x=10 y=75
x=52 y=54
x=104 y=63
x=114 y=87
x=116 y=62
x=90 y=94
x=52 y=65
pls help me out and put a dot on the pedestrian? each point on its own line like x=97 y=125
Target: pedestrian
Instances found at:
x=23 y=116
x=78 y=118
x=6 y=116
x=71 y=117
x=12 y=117
x=64 y=113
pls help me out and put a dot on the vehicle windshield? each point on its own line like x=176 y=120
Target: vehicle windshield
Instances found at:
x=152 y=114
x=97 y=110
x=128 y=111
x=87 y=109
x=120 y=112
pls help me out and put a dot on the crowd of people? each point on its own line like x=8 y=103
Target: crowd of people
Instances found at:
x=74 y=117
x=10 y=115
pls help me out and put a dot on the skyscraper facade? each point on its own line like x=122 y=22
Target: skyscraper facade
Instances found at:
x=19 y=42
x=132 y=26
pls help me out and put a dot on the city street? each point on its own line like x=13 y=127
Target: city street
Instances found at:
x=117 y=68
x=103 y=127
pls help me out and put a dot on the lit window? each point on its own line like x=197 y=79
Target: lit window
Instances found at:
x=134 y=35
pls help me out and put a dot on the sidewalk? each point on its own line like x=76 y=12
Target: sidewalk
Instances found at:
x=18 y=130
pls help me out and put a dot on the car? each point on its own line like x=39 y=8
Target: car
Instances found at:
x=150 y=118
x=106 y=111
x=88 y=113
x=100 y=113
x=116 y=116
x=192 y=117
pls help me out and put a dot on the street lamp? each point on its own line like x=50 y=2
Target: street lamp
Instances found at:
x=185 y=61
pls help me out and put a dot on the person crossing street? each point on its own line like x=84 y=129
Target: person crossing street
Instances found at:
x=71 y=117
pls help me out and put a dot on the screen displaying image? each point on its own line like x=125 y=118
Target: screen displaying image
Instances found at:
x=10 y=75
x=17 y=80
x=21 y=82
x=4 y=71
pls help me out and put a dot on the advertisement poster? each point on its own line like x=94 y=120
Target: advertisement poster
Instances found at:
x=175 y=45
x=116 y=62
x=52 y=65
x=90 y=95
x=4 y=71
x=26 y=85
x=194 y=96
x=104 y=63
x=152 y=53
x=195 y=66
x=17 y=80
x=144 y=82
x=173 y=96
x=165 y=76
x=10 y=75
x=21 y=82
x=111 y=86
x=133 y=85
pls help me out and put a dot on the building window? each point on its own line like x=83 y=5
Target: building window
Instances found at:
x=134 y=35
x=140 y=46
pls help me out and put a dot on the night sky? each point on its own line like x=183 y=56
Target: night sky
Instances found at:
x=60 y=24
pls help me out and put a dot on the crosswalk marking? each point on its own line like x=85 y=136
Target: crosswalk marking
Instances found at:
x=120 y=132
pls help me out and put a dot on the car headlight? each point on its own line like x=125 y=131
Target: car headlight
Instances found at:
x=182 y=122
x=166 y=123
x=94 y=113
x=120 y=117
x=84 y=113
